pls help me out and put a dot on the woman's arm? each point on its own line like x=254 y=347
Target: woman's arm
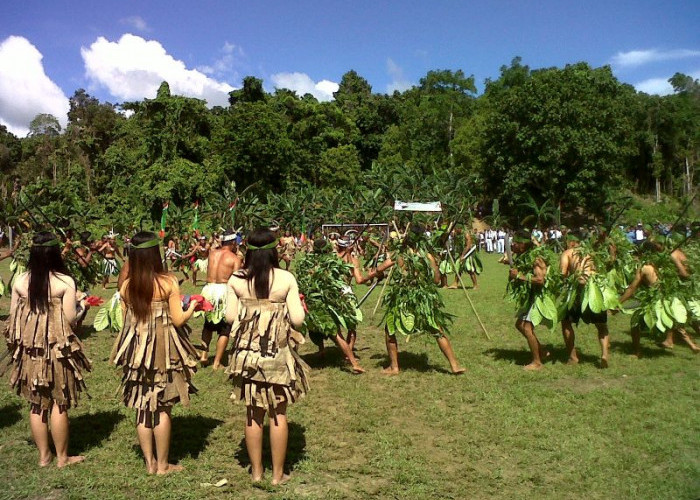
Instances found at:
x=68 y=301
x=294 y=307
x=231 y=302
x=177 y=314
x=15 y=298
x=123 y=275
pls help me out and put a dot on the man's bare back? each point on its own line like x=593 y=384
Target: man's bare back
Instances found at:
x=222 y=264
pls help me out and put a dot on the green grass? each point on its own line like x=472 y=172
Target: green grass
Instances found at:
x=632 y=431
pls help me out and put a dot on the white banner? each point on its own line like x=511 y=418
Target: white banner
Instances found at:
x=412 y=206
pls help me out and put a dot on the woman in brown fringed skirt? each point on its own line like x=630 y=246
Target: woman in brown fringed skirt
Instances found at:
x=263 y=304
x=153 y=349
x=46 y=356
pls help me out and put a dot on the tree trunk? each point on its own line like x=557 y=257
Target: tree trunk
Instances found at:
x=657 y=170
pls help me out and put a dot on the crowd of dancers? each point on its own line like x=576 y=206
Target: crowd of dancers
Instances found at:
x=256 y=309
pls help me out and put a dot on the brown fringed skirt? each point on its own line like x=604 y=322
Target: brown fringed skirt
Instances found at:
x=157 y=359
x=46 y=356
x=264 y=368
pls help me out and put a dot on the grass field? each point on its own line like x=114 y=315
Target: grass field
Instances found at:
x=631 y=431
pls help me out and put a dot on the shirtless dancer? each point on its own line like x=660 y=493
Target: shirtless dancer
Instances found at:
x=346 y=254
x=521 y=244
x=80 y=251
x=346 y=346
x=171 y=253
x=200 y=252
x=647 y=276
x=468 y=244
x=572 y=262
x=443 y=342
x=110 y=251
x=222 y=263
x=680 y=260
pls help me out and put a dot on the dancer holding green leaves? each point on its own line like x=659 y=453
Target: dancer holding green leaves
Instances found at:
x=413 y=304
x=533 y=290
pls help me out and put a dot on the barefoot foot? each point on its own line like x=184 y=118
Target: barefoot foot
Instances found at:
x=69 y=461
x=170 y=468
x=281 y=480
x=603 y=362
x=45 y=462
x=458 y=371
x=152 y=466
x=666 y=345
x=572 y=361
x=390 y=371
x=357 y=369
x=533 y=367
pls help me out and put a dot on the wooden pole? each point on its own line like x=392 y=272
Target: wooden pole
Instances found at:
x=464 y=289
x=381 y=293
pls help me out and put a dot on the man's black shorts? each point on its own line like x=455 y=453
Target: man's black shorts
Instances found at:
x=221 y=328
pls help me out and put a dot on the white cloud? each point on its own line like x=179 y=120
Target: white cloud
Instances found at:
x=398 y=82
x=133 y=68
x=136 y=22
x=302 y=84
x=640 y=57
x=25 y=89
x=223 y=65
x=660 y=86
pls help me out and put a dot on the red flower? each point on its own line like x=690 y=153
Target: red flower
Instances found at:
x=303 y=303
x=94 y=300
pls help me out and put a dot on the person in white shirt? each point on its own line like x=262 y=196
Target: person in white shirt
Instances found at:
x=501 y=241
x=489 y=241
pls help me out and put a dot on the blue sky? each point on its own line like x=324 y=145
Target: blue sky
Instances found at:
x=121 y=50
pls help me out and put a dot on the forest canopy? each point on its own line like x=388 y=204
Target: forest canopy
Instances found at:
x=571 y=138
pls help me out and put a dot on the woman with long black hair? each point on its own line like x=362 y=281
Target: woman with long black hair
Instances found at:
x=263 y=304
x=47 y=356
x=158 y=359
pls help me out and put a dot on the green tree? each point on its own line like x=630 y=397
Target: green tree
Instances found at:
x=44 y=124
x=563 y=135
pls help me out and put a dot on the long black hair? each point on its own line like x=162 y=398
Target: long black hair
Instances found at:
x=259 y=262
x=145 y=267
x=44 y=258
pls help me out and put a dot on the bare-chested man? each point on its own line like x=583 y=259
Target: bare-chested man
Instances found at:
x=322 y=246
x=200 y=253
x=110 y=251
x=443 y=342
x=572 y=262
x=680 y=260
x=521 y=244
x=222 y=263
x=648 y=276
x=171 y=254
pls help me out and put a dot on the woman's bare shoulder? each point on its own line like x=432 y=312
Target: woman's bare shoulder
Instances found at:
x=63 y=279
